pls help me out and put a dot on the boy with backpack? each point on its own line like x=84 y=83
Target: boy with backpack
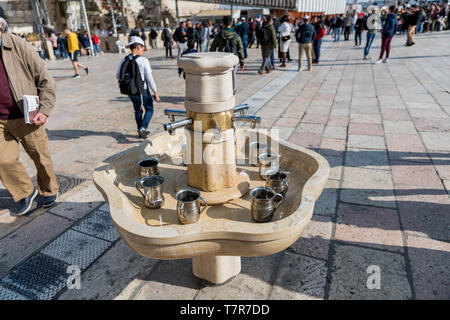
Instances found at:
x=135 y=78
x=229 y=41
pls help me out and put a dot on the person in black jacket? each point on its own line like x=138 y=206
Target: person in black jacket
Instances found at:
x=338 y=28
x=412 y=25
x=359 y=25
x=180 y=38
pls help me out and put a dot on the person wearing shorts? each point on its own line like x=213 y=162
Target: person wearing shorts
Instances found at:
x=74 y=51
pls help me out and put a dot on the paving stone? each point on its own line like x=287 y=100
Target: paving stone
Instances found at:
x=284 y=133
x=25 y=241
x=40 y=277
x=287 y=122
x=405 y=145
x=350 y=275
x=76 y=248
x=369 y=187
x=254 y=282
x=369 y=226
x=413 y=174
x=366 y=142
x=98 y=224
x=110 y=276
x=367 y=159
x=171 y=279
x=299 y=278
x=79 y=203
x=430 y=124
x=336 y=121
x=367 y=129
x=315 y=240
x=366 y=118
x=395 y=114
x=335 y=132
x=310 y=128
x=332 y=147
x=424 y=212
x=326 y=204
x=335 y=167
x=430 y=269
x=314 y=118
x=399 y=127
x=303 y=139
x=436 y=140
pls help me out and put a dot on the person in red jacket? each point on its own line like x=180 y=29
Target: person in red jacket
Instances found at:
x=96 y=43
x=320 y=31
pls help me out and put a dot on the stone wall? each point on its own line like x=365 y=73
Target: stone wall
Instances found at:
x=19 y=14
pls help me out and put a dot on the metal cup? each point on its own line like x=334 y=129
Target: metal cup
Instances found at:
x=264 y=203
x=188 y=206
x=147 y=167
x=268 y=161
x=153 y=196
x=255 y=149
x=278 y=180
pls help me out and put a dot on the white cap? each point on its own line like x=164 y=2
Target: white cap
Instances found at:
x=135 y=39
x=243 y=18
x=306 y=17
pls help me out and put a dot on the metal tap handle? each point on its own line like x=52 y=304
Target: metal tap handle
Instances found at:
x=170 y=127
x=241 y=108
x=253 y=119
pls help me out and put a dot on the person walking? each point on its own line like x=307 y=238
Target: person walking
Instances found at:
x=180 y=38
x=166 y=37
x=96 y=44
x=74 y=51
x=372 y=25
x=243 y=31
x=320 y=33
x=153 y=38
x=338 y=28
x=305 y=35
x=139 y=95
x=22 y=72
x=389 y=29
x=228 y=40
x=348 y=23
x=267 y=38
x=285 y=38
x=359 y=25
x=413 y=17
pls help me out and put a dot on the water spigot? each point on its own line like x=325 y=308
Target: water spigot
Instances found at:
x=172 y=113
x=170 y=127
x=252 y=119
x=241 y=108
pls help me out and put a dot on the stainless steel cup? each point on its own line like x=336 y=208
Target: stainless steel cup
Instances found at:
x=147 y=167
x=255 y=149
x=153 y=196
x=268 y=161
x=278 y=180
x=188 y=206
x=264 y=203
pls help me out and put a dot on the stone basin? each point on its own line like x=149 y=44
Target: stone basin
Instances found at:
x=224 y=232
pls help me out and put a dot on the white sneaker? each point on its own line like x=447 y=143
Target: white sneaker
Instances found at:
x=366 y=58
x=378 y=61
x=385 y=60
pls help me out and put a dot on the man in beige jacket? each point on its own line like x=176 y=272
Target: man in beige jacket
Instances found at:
x=22 y=72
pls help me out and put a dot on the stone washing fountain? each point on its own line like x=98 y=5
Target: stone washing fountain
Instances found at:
x=210 y=153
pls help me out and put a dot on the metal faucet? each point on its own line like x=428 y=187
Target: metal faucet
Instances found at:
x=252 y=119
x=172 y=113
x=170 y=127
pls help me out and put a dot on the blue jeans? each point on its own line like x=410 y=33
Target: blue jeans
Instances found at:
x=146 y=98
x=337 y=35
x=317 y=44
x=245 y=44
x=419 y=28
x=96 y=49
x=272 y=60
x=370 y=38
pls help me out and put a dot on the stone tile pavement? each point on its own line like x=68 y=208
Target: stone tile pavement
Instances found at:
x=383 y=128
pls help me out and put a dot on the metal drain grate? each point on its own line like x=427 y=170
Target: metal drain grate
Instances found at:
x=6 y=294
x=65 y=183
x=76 y=248
x=98 y=224
x=40 y=277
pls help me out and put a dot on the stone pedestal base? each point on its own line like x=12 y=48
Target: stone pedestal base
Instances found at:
x=216 y=269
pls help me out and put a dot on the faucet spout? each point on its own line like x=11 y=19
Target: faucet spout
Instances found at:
x=252 y=119
x=170 y=127
x=241 y=108
x=172 y=113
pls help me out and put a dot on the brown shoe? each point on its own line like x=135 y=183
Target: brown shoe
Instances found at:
x=260 y=72
x=310 y=68
x=283 y=65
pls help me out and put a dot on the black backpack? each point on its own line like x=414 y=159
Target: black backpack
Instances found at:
x=230 y=45
x=130 y=81
x=263 y=36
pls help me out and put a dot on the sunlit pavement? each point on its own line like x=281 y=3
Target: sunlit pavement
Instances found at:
x=384 y=129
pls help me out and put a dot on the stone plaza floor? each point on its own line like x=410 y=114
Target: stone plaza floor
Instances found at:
x=384 y=129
